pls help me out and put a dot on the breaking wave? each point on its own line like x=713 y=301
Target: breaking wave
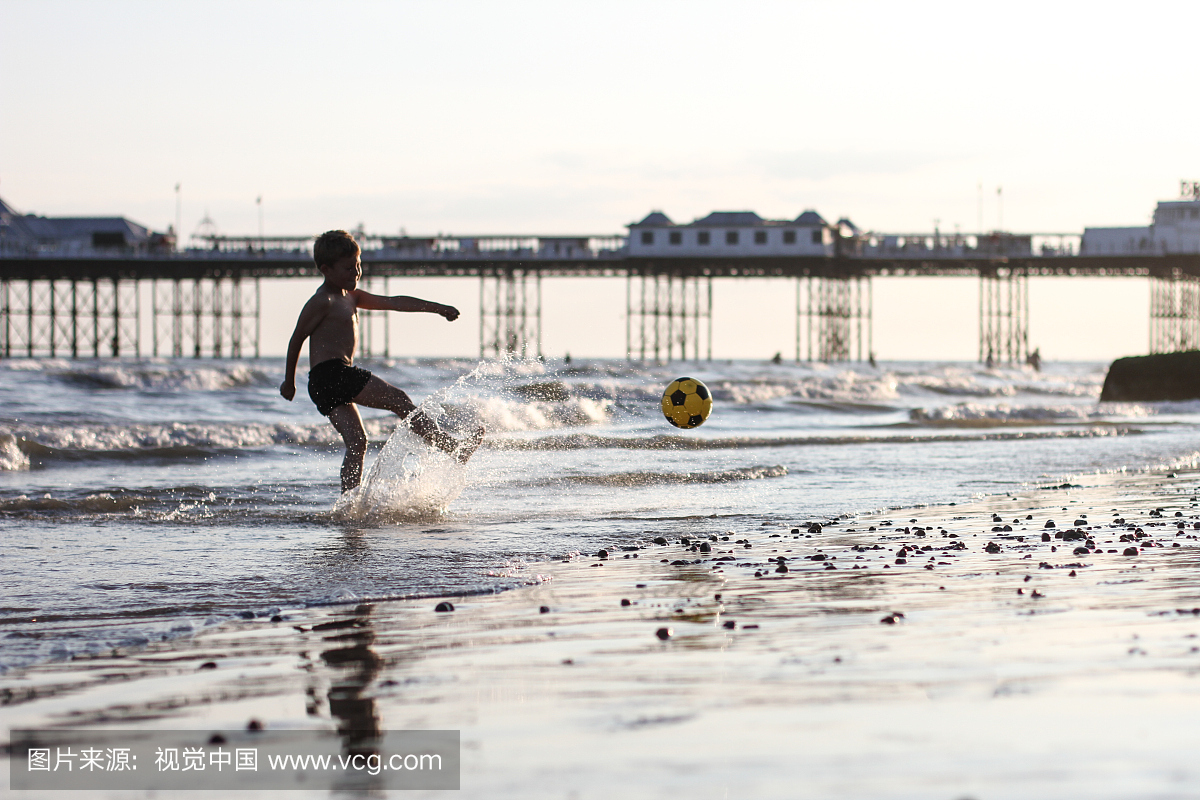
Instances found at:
x=665 y=478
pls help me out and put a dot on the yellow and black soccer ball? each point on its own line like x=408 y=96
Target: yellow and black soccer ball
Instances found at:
x=686 y=403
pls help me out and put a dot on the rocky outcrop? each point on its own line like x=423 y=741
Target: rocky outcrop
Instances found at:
x=1166 y=376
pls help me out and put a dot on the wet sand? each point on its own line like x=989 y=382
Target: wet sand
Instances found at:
x=885 y=656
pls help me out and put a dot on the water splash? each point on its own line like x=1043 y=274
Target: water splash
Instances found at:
x=410 y=479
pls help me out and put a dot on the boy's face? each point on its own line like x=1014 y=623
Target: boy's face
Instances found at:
x=344 y=273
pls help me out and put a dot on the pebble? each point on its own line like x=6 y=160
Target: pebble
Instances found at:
x=444 y=606
x=1130 y=551
x=663 y=633
x=730 y=624
x=602 y=554
x=544 y=610
x=625 y=602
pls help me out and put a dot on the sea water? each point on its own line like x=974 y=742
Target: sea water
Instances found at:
x=151 y=499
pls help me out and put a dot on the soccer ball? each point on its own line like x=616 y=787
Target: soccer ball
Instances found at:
x=686 y=403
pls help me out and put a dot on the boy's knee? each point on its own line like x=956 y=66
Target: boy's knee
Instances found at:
x=356 y=444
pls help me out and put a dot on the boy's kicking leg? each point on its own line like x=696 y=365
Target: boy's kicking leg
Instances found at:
x=380 y=394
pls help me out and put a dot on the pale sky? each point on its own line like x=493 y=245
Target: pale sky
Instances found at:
x=551 y=117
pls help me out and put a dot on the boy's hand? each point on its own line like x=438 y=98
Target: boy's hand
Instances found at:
x=287 y=389
x=449 y=312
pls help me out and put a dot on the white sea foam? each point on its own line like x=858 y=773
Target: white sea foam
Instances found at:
x=11 y=456
x=156 y=437
x=973 y=414
x=501 y=413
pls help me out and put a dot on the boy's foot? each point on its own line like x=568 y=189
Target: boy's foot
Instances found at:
x=468 y=446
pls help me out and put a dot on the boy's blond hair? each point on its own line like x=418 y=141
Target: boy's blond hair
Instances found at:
x=333 y=245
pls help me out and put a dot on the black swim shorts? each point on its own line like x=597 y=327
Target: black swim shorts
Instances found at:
x=334 y=383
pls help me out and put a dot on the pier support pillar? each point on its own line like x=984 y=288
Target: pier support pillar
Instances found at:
x=833 y=318
x=215 y=317
x=667 y=315
x=1174 y=312
x=510 y=313
x=51 y=318
x=371 y=323
x=1003 y=315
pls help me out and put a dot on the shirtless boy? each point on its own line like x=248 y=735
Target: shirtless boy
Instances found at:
x=329 y=320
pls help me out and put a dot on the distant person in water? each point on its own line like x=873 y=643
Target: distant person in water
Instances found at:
x=329 y=320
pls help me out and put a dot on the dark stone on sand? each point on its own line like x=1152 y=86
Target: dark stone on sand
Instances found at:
x=901 y=560
x=1130 y=551
x=781 y=568
x=705 y=548
x=208 y=665
x=1071 y=574
x=444 y=606
x=1045 y=537
x=659 y=540
x=544 y=610
x=276 y=618
x=817 y=557
x=992 y=547
x=663 y=633
x=1081 y=551
x=254 y=725
x=1049 y=524
x=602 y=554
x=216 y=738
x=625 y=602
x=730 y=624
x=1163 y=376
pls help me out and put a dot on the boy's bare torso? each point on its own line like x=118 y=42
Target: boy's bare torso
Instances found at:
x=336 y=335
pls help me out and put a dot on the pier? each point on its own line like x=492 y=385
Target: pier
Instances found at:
x=207 y=302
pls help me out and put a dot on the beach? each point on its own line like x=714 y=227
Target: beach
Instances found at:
x=895 y=657
x=840 y=585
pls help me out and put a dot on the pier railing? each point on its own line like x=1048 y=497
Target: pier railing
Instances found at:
x=206 y=300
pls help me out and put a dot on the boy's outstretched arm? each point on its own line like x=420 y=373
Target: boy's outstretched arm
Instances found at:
x=374 y=302
x=310 y=316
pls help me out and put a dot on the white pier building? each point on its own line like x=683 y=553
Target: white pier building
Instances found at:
x=731 y=233
x=1175 y=229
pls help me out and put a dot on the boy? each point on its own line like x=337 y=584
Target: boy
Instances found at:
x=329 y=320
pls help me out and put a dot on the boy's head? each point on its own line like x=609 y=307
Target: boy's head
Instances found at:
x=331 y=246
